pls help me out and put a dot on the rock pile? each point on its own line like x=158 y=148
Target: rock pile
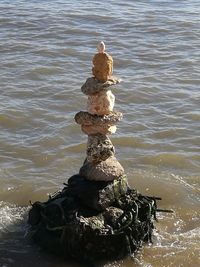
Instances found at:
x=96 y=215
x=99 y=121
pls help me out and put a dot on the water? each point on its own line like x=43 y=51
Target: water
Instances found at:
x=46 y=48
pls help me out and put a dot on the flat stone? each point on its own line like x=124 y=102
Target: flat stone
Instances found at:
x=99 y=148
x=87 y=119
x=101 y=103
x=103 y=66
x=93 y=86
x=107 y=170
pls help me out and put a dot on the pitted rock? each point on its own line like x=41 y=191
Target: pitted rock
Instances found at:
x=99 y=148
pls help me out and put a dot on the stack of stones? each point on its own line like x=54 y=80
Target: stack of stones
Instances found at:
x=100 y=121
x=96 y=215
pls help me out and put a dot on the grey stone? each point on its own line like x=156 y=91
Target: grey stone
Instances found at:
x=107 y=170
x=93 y=86
x=99 y=148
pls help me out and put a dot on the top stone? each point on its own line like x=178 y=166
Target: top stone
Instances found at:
x=103 y=64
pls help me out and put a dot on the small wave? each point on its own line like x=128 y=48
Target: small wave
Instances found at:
x=131 y=142
x=11 y=217
x=168 y=133
x=168 y=160
x=13 y=120
x=76 y=148
x=44 y=71
x=193 y=116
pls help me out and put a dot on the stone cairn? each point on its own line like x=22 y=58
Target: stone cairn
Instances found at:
x=99 y=121
x=96 y=215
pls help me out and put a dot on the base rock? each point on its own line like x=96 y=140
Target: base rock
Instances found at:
x=114 y=226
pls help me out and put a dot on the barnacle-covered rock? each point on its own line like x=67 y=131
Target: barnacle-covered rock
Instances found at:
x=99 y=148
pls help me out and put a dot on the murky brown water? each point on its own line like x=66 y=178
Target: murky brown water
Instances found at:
x=46 y=49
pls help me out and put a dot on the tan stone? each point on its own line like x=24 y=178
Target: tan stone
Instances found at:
x=103 y=66
x=107 y=170
x=101 y=103
x=99 y=129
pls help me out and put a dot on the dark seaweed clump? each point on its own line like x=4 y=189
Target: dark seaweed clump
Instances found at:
x=90 y=220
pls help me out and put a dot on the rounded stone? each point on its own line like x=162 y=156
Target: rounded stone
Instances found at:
x=99 y=148
x=93 y=86
x=101 y=103
x=103 y=66
x=107 y=170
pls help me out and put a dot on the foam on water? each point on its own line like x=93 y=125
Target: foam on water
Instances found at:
x=11 y=217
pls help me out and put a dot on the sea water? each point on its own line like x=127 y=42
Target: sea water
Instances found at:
x=46 y=49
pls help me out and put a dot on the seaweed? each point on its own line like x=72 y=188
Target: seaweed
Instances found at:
x=111 y=222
